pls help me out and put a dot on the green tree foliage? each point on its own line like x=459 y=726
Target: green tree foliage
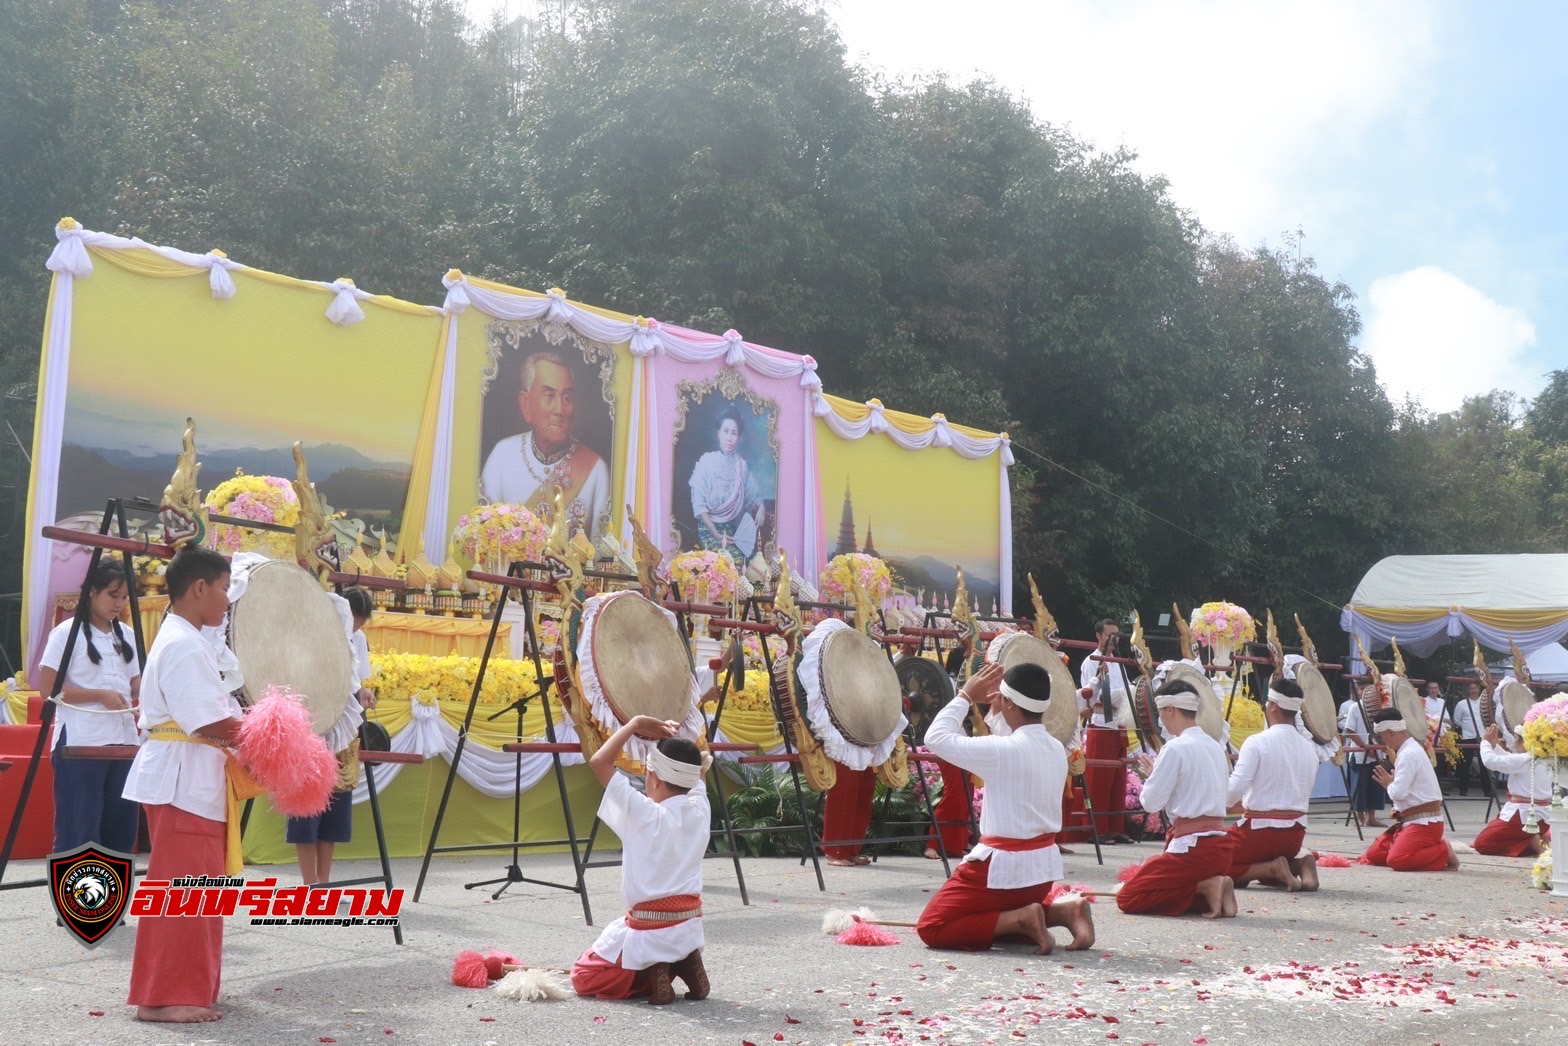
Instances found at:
x=1191 y=418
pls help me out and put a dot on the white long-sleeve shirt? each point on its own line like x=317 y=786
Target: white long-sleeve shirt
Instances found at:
x=1467 y=718
x=1353 y=724
x=1024 y=774
x=1089 y=677
x=1415 y=782
x=1276 y=771
x=1190 y=778
x=1527 y=776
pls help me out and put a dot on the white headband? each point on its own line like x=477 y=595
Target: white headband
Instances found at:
x=1028 y=704
x=1390 y=726
x=1289 y=704
x=1183 y=699
x=673 y=772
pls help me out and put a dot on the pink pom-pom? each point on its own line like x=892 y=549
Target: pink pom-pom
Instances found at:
x=1058 y=890
x=866 y=935
x=1127 y=871
x=1331 y=860
x=468 y=970
x=279 y=747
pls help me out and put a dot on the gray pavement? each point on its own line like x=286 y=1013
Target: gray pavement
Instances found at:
x=1473 y=956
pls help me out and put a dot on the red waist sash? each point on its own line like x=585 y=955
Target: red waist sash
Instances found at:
x=1181 y=826
x=1013 y=846
x=664 y=911
x=1524 y=800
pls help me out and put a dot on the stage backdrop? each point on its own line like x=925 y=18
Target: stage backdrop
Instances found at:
x=138 y=338
x=926 y=496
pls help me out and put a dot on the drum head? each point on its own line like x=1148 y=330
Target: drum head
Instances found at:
x=1412 y=708
x=926 y=689
x=1145 y=716
x=1211 y=714
x=860 y=688
x=1517 y=700
x=285 y=631
x=1018 y=648
x=1371 y=702
x=640 y=660
x=1317 y=704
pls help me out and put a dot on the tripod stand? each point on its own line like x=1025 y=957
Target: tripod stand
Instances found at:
x=514 y=874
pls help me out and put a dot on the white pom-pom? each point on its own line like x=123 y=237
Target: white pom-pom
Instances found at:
x=1462 y=848
x=531 y=986
x=836 y=921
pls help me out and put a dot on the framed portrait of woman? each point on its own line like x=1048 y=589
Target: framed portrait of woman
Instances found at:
x=724 y=484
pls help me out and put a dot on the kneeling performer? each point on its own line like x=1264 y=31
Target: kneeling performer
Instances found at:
x=1415 y=843
x=663 y=836
x=1001 y=887
x=1529 y=798
x=1271 y=787
x=1187 y=781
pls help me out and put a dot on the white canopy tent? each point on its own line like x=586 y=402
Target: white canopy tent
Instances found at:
x=1424 y=601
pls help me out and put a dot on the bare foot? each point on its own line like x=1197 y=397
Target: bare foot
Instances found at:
x=932 y=855
x=841 y=862
x=1278 y=870
x=1308 y=873
x=1028 y=921
x=1453 y=858
x=1227 y=899
x=1211 y=893
x=862 y=859
x=1075 y=916
x=177 y=1014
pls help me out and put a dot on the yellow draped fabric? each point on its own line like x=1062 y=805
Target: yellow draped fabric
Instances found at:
x=16 y=704
x=395 y=712
x=909 y=424
x=1509 y=620
x=747 y=727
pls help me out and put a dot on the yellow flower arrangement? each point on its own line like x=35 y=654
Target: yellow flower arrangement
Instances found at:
x=1541 y=873
x=874 y=575
x=1246 y=716
x=1214 y=624
x=756 y=697
x=1546 y=729
x=431 y=679
x=705 y=576
x=1448 y=744
x=265 y=499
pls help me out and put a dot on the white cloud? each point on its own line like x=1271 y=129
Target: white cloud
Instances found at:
x=1438 y=339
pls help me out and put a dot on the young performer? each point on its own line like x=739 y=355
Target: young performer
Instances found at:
x=1271 y=786
x=1415 y=843
x=1369 y=798
x=1188 y=782
x=1000 y=888
x=663 y=835
x=846 y=815
x=315 y=838
x=102 y=679
x=1529 y=785
x=953 y=810
x=180 y=778
x=1103 y=701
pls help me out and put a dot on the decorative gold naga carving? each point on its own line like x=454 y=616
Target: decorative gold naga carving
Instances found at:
x=182 y=513
x=315 y=544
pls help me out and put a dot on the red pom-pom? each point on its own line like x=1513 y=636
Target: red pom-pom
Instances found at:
x=495 y=961
x=1127 y=871
x=865 y=934
x=1331 y=860
x=468 y=970
x=283 y=753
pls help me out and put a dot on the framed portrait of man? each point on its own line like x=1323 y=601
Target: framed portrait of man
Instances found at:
x=548 y=421
x=725 y=477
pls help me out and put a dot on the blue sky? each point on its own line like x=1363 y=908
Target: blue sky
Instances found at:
x=1418 y=146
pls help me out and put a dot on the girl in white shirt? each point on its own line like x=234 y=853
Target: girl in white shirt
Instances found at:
x=96 y=707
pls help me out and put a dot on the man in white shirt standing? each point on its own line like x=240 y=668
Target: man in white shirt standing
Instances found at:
x=1415 y=843
x=1104 y=707
x=1467 y=720
x=1188 y=781
x=524 y=469
x=1529 y=798
x=1001 y=887
x=180 y=776
x=1271 y=786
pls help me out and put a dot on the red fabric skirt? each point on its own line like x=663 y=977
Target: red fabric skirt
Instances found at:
x=1254 y=845
x=1107 y=785
x=1508 y=838
x=1167 y=884
x=846 y=813
x=1410 y=848
x=596 y=977
x=952 y=811
x=964 y=911
x=178 y=959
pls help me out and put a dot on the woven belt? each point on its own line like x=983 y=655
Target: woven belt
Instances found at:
x=1524 y=800
x=1424 y=810
x=1272 y=815
x=1181 y=826
x=1009 y=845
x=664 y=911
